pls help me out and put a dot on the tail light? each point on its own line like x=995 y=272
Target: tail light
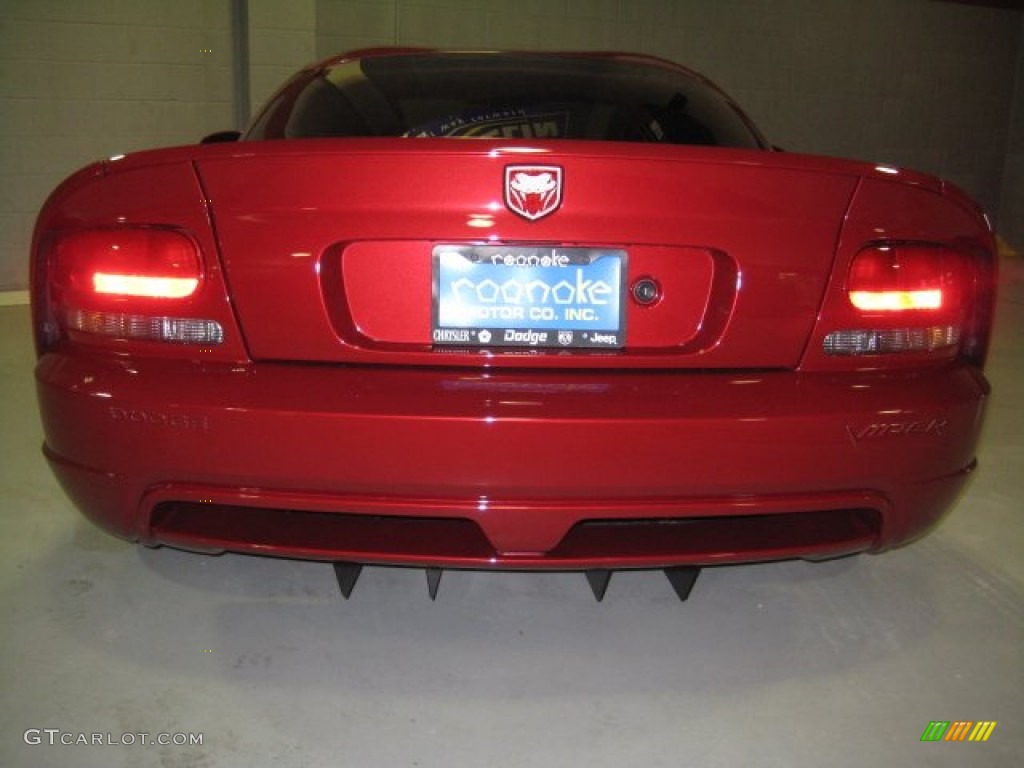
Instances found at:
x=135 y=284
x=136 y=263
x=888 y=278
x=906 y=302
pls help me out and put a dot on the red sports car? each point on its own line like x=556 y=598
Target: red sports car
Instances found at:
x=512 y=311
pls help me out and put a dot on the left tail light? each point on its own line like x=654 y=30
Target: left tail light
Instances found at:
x=143 y=286
x=139 y=263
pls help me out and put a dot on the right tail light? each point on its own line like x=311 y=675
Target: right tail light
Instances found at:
x=902 y=303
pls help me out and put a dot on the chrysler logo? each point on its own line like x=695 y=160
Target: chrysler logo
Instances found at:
x=533 y=191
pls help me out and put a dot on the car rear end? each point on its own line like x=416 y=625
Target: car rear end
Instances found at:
x=531 y=349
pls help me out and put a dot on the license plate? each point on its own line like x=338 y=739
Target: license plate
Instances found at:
x=496 y=296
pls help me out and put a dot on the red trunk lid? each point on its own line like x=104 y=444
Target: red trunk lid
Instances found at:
x=328 y=245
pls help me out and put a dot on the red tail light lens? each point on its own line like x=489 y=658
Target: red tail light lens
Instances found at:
x=143 y=263
x=904 y=279
x=131 y=283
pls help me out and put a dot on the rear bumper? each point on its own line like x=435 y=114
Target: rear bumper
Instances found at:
x=530 y=469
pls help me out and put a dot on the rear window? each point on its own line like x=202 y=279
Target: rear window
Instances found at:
x=506 y=96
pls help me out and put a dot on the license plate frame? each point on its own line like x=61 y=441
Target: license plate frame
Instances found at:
x=527 y=296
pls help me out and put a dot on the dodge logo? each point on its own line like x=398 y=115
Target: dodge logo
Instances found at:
x=533 y=191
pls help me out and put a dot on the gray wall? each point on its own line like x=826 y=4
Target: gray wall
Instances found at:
x=922 y=83
x=83 y=79
x=1011 y=203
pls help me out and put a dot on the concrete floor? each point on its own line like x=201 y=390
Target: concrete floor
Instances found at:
x=789 y=664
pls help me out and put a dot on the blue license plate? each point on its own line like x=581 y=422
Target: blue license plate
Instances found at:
x=497 y=296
